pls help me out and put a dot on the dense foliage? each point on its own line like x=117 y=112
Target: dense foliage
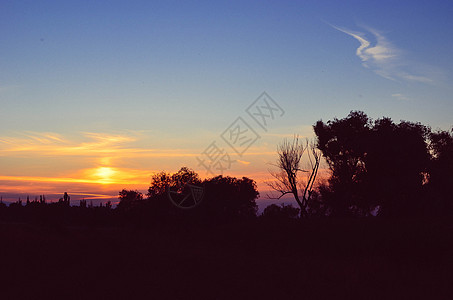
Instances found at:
x=399 y=169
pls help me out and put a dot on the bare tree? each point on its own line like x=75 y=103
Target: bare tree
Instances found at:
x=287 y=179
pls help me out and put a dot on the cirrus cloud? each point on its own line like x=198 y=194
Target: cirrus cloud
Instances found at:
x=385 y=59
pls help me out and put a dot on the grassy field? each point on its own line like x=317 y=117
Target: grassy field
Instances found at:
x=305 y=259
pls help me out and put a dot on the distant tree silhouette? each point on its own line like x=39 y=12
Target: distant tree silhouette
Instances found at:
x=129 y=199
x=160 y=182
x=282 y=211
x=158 y=201
x=83 y=203
x=229 y=197
x=224 y=197
x=288 y=179
x=16 y=205
x=108 y=204
x=380 y=164
x=65 y=200
x=2 y=205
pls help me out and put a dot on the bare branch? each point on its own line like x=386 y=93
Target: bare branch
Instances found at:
x=286 y=180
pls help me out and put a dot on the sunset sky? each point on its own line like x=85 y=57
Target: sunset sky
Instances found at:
x=97 y=96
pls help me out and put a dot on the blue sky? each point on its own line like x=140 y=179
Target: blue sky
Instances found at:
x=170 y=76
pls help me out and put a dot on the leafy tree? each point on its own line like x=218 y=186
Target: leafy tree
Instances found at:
x=223 y=197
x=374 y=164
x=160 y=182
x=158 y=200
x=397 y=164
x=230 y=197
x=342 y=143
x=129 y=199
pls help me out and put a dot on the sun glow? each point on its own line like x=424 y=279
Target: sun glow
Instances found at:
x=96 y=162
x=105 y=175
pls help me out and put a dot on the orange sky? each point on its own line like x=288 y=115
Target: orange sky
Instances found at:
x=97 y=165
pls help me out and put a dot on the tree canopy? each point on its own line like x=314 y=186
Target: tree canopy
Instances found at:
x=374 y=164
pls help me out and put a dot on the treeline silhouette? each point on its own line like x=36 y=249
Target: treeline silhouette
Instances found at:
x=224 y=199
x=378 y=168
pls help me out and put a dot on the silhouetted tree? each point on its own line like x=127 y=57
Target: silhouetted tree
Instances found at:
x=66 y=199
x=16 y=205
x=282 y=211
x=129 y=199
x=161 y=183
x=440 y=172
x=229 y=197
x=397 y=164
x=288 y=179
x=2 y=205
x=378 y=164
x=83 y=203
x=223 y=197
x=108 y=205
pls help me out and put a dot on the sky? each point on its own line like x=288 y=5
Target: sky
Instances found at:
x=97 y=96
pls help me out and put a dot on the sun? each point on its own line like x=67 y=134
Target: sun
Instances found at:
x=104 y=175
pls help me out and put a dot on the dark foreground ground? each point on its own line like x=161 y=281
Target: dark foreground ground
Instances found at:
x=314 y=259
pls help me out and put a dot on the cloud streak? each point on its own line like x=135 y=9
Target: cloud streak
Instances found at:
x=98 y=144
x=385 y=59
x=400 y=96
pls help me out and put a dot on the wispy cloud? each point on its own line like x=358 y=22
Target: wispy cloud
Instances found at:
x=93 y=144
x=93 y=158
x=243 y=162
x=400 y=96
x=381 y=56
x=99 y=175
